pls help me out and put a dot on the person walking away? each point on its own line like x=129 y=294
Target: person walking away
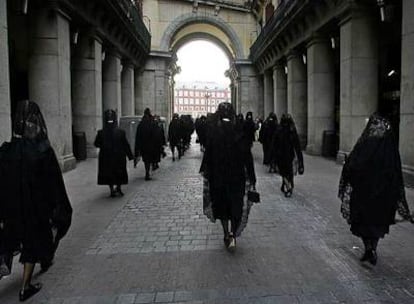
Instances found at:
x=267 y=132
x=287 y=153
x=371 y=187
x=35 y=212
x=175 y=136
x=113 y=151
x=161 y=134
x=249 y=129
x=147 y=142
x=226 y=167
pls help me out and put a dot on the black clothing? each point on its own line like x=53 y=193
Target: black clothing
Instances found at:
x=249 y=130
x=175 y=132
x=286 y=149
x=33 y=200
x=114 y=149
x=266 y=135
x=226 y=162
x=35 y=212
x=148 y=142
x=201 y=129
x=371 y=186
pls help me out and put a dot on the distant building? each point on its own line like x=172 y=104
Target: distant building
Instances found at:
x=199 y=98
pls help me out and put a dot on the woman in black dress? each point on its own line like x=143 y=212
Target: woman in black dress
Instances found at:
x=35 y=212
x=227 y=165
x=113 y=151
x=371 y=187
x=287 y=153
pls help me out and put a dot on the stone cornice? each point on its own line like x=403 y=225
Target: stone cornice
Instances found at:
x=299 y=21
x=111 y=24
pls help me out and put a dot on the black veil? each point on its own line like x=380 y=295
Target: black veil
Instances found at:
x=29 y=122
x=372 y=172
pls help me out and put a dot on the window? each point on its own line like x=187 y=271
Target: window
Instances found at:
x=180 y=93
x=191 y=100
x=185 y=93
x=197 y=93
x=191 y=93
x=197 y=101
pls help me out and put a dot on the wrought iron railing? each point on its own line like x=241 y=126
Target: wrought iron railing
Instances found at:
x=134 y=16
x=272 y=25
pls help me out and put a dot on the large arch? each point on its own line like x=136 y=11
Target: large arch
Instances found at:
x=190 y=18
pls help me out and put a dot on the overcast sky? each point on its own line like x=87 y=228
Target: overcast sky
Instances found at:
x=202 y=61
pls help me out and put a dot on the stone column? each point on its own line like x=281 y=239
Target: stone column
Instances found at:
x=153 y=85
x=128 y=89
x=138 y=82
x=111 y=82
x=87 y=89
x=279 y=90
x=247 y=88
x=407 y=87
x=359 y=76
x=321 y=92
x=268 y=93
x=297 y=94
x=5 y=110
x=49 y=79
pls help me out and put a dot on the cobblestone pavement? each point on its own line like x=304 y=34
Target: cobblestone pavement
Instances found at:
x=154 y=245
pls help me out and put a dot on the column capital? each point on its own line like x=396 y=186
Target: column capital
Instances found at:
x=293 y=54
x=317 y=39
x=355 y=11
x=279 y=66
x=126 y=63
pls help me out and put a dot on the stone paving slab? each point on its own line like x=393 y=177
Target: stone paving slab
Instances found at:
x=155 y=246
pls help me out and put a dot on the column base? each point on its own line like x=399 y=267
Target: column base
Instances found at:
x=313 y=150
x=67 y=162
x=341 y=157
x=92 y=152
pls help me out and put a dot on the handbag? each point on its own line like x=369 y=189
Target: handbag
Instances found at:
x=253 y=196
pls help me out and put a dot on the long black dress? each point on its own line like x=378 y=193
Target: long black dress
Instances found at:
x=34 y=208
x=371 y=186
x=114 y=149
x=286 y=149
x=266 y=134
x=148 y=140
x=226 y=163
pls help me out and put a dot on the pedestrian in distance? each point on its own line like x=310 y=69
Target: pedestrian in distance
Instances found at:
x=228 y=169
x=371 y=187
x=287 y=154
x=161 y=134
x=148 y=142
x=113 y=151
x=175 y=135
x=35 y=212
x=250 y=129
x=266 y=134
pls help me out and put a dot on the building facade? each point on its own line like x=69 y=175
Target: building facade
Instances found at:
x=331 y=64
x=199 y=98
x=75 y=59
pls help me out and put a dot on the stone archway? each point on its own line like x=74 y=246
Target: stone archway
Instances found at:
x=190 y=18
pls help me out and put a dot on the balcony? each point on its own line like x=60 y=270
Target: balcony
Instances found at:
x=134 y=16
x=273 y=26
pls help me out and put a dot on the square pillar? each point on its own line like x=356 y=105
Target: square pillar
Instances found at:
x=268 y=92
x=407 y=87
x=50 y=79
x=111 y=82
x=128 y=89
x=87 y=89
x=359 y=76
x=297 y=94
x=321 y=92
x=279 y=90
x=5 y=106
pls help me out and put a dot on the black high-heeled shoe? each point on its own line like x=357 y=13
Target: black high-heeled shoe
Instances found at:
x=28 y=292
